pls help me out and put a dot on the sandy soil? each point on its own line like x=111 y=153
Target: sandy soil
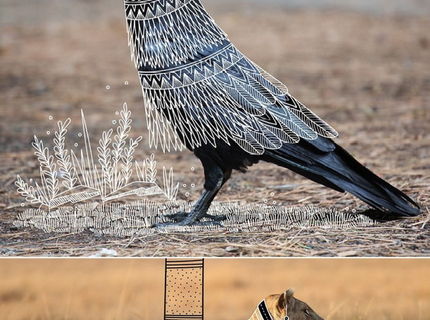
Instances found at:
x=133 y=289
x=367 y=75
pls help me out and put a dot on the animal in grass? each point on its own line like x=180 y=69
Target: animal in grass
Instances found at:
x=202 y=92
x=284 y=307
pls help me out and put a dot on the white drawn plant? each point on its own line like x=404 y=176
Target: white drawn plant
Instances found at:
x=67 y=171
x=48 y=173
x=67 y=176
x=148 y=169
x=169 y=186
x=105 y=160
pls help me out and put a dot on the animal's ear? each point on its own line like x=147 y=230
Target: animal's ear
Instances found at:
x=284 y=299
x=282 y=303
x=289 y=294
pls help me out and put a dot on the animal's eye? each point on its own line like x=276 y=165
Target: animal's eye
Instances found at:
x=287 y=318
x=307 y=312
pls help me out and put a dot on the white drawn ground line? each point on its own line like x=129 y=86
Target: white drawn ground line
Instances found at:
x=137 y=217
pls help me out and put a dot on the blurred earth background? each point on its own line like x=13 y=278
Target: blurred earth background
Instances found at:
x=363 y=66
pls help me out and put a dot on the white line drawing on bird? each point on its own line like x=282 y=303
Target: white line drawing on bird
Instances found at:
x=201 y=92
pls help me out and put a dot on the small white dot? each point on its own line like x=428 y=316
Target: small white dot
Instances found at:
x=79 y=134
x=48 y=132
x=193 y=169
x=126 y=83
x=184 y=185
x=50 y=117
x=107 y=87
x=193 y=185
x=76 y=145
x=117 y=113
x=187 y=194
x=113 y=121
x=272 y=194
x=22 y=204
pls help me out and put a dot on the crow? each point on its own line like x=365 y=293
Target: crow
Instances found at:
x=201 y=92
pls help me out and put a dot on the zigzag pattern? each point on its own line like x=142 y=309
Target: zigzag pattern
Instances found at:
x=193 y=73
x=185 y=34
x=139 y=10
x=199 y=87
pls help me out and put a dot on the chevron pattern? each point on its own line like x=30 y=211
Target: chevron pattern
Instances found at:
x=199 y=87
x=140 y=10
x=193 y=73
x=171 y=38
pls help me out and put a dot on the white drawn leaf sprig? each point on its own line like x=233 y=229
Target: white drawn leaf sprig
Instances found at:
x=119 y=144
x=105 y=160
x=47 y=169
x=65 y=165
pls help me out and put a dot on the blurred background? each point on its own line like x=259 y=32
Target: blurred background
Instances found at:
x=360 y=65
x=363 y=66
x=133 y=289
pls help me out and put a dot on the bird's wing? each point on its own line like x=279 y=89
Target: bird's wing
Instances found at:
x=226 y=96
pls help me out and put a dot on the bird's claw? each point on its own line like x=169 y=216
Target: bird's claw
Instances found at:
x=167 y=225
x=215 y=218
x=183 y=219
x=179 y=216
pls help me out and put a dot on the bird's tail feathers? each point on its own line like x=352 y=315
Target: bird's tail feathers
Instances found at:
x=338 y=170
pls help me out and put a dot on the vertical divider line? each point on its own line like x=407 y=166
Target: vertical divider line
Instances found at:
x=165 y=287
x=203 y=289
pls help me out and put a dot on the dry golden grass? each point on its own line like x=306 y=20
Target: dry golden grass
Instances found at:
x=133 y=289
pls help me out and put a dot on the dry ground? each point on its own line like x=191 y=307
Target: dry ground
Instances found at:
x=133 y=289
x=366 y=75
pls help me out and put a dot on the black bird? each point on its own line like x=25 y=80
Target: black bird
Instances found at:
x=202 y=92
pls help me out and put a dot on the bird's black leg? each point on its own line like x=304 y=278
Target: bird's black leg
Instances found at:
x=215 y=178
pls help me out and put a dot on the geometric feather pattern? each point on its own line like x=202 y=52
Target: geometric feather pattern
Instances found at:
x=184 y=290
x=199 y=88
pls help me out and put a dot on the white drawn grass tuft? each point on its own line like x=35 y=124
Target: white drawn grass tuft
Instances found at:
x=169 y=186
x=110 y=176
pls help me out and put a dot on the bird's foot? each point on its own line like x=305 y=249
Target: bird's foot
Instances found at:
x=215 y=218
x=184 y=219
x=181 y=216
x=177 y=217
x=168 y=225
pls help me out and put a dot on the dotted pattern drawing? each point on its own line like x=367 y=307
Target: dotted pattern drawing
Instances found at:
x=198 y=86
x=184 y=289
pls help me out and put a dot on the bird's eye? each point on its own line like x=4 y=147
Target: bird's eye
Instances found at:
x=287 y=318
x=307 y=312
